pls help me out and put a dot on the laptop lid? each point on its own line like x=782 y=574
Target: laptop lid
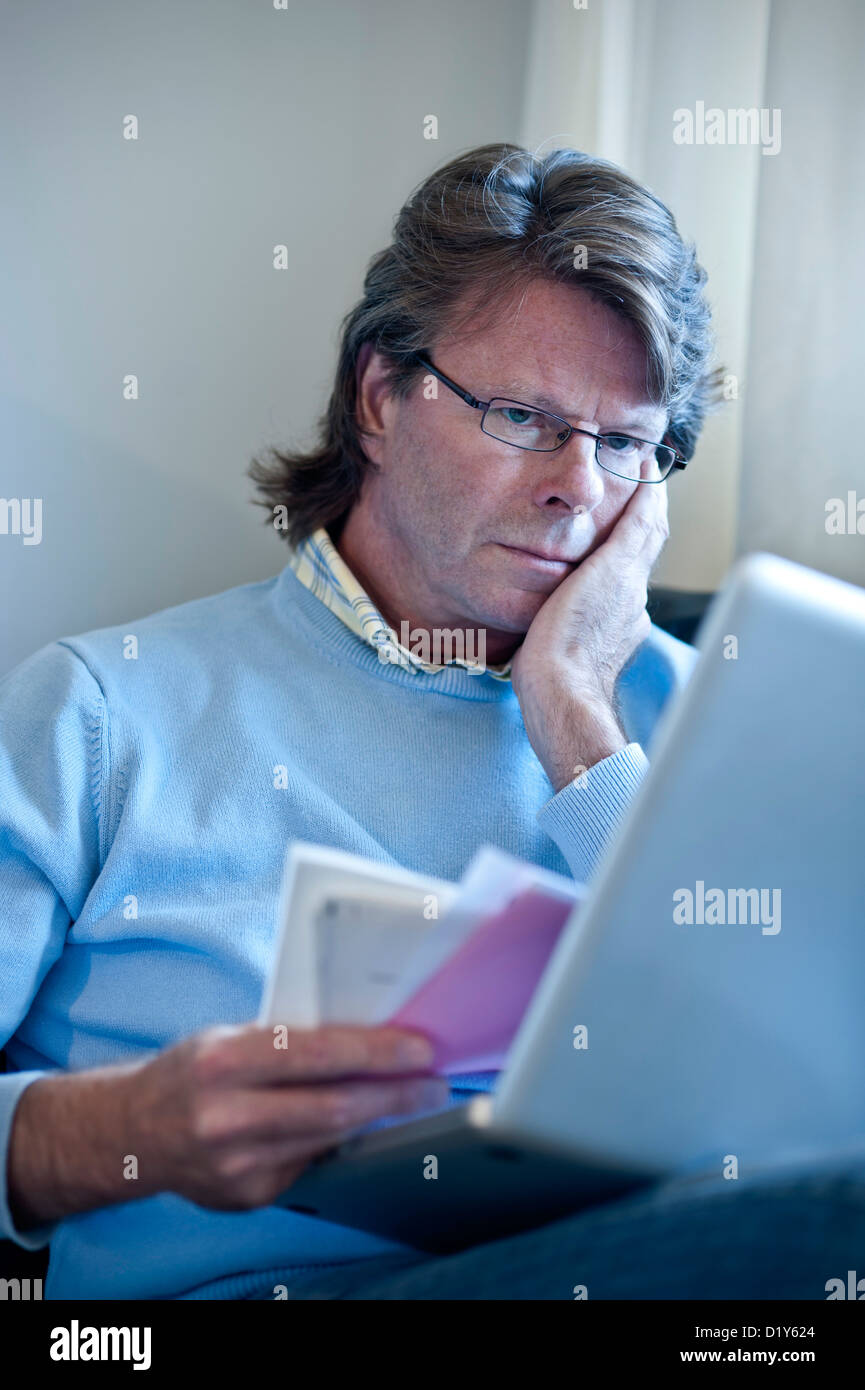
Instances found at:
x=717 y=967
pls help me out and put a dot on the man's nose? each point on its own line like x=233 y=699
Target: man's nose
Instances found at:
x=570 y=478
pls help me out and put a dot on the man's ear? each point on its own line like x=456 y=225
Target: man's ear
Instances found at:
x=373 y=395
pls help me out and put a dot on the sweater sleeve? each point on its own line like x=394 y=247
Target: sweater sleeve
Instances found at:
x=52 y=746
x=583 y=816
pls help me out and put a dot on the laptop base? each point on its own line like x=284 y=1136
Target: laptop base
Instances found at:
x=448 y=1182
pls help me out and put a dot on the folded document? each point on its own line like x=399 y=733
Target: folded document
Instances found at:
x=366 y=943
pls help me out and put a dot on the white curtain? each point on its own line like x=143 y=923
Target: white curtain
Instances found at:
x=804 y=416
x=779 y=234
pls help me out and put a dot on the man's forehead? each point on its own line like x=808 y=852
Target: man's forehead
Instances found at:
x=559 y=348
x=566 y=404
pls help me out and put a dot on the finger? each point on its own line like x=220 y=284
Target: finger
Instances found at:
x=642 y=528
x=275 y=1054
x=277 y=1114
x=271 y=1153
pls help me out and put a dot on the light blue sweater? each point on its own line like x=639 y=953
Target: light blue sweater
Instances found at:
x=148 y=785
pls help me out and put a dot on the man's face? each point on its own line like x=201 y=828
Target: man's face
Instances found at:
x=450 y=531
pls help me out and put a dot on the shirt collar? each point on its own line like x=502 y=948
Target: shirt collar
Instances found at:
x=320 y=568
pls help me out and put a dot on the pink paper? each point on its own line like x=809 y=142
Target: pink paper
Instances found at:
x=473 y=1005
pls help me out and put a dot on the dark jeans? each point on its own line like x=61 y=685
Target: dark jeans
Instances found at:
x=779 y=1233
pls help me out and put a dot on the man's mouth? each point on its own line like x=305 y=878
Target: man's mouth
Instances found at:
x=541 y=556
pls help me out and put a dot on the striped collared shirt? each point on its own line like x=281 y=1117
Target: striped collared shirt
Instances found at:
x=319 y=566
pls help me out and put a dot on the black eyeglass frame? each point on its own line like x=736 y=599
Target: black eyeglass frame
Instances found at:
x=678 y=461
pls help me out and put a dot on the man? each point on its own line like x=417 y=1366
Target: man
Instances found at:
x=528 y=362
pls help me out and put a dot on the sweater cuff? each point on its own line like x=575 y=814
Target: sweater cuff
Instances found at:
x=585 y=814
x=12 y=1087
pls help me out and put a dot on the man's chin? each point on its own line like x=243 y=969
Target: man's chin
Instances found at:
x=510 y=602
x=530 y=591
x=512 y=611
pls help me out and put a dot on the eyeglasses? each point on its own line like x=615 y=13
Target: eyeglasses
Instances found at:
x=526 y=427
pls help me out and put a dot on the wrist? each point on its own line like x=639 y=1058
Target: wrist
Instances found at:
x=593 y=733
x=70 y=1145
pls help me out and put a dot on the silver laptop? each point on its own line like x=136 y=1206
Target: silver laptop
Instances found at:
x=704 y=1009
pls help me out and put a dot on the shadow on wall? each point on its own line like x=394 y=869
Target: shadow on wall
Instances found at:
x=678 y=611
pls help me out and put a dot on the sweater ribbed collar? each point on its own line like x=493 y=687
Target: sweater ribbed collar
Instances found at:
x=321 y=569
